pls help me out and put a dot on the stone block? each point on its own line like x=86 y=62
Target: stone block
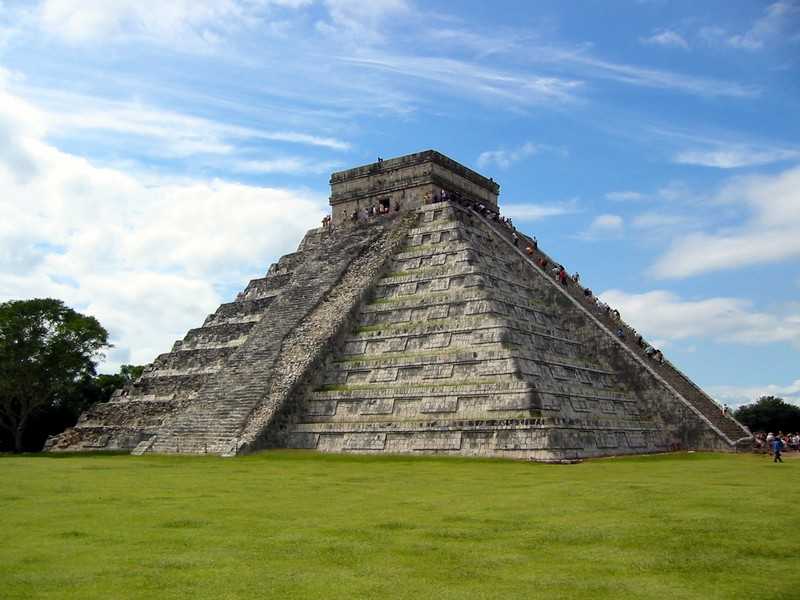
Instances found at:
x=636 y=439
x=437 y=441
x=306 y=441
x=377 y=406
x=364 y=441
x=516 y=439
x=445 y=404
x=321 y=408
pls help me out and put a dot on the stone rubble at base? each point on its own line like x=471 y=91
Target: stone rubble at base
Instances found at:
x=418 y=331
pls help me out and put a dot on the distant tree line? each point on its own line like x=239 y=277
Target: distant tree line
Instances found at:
x=48 y=359
x=769 y=414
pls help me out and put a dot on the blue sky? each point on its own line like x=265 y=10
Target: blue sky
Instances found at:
x=154 y=155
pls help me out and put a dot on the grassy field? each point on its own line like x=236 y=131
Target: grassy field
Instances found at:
x=304 y=525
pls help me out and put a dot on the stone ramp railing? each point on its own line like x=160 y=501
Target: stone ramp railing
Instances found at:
x=731 y=430
x=710 y=409
x=301 y=359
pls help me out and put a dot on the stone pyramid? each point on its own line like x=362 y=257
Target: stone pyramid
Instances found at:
x=425 y=328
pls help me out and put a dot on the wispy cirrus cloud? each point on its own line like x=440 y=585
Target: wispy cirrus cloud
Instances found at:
x=361 y=22
x=151 y=134
x=581 y=62
x=292 y=165
x=722 y=150
x=533 y=211
x=659 y=79
x=625 y=196
x=172 y=129
x=451 y=75
x=667 y=38
x=506 y=157
x=734 y=157
x=660 y=220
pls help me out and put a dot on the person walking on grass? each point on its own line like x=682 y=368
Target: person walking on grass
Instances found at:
x=777 y=446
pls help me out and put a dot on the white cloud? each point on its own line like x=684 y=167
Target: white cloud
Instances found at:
x=534 y=212
x=767 y=27
x=148 y=260
x=666 y=37
x=657 y=220
x=724 y=151
x=293 y=165
x=625 y=196
x=505 y=158
x=739 y=395
x=607 y=222
x=732 y=157
x=770 y=234
x=603 y=227
x=663 y=314
x=674 y=191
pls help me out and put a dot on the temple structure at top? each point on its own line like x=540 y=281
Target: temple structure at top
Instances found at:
x=403 y=184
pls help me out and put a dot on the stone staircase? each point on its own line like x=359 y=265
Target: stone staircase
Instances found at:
x=213 y=421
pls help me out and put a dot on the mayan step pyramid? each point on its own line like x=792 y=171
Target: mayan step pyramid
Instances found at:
x=426 y=327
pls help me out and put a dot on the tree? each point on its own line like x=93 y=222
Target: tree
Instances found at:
x=46 y=350
x=64 y=411
x=770 y=414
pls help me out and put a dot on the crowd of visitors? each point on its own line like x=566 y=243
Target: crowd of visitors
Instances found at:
x=366 y=213
x=776 y=443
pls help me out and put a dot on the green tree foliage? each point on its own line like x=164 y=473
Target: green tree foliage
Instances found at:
x=46 y=351
x=56 y=416
x=770 y=414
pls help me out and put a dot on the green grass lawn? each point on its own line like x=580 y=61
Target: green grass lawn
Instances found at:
x=305 y=525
